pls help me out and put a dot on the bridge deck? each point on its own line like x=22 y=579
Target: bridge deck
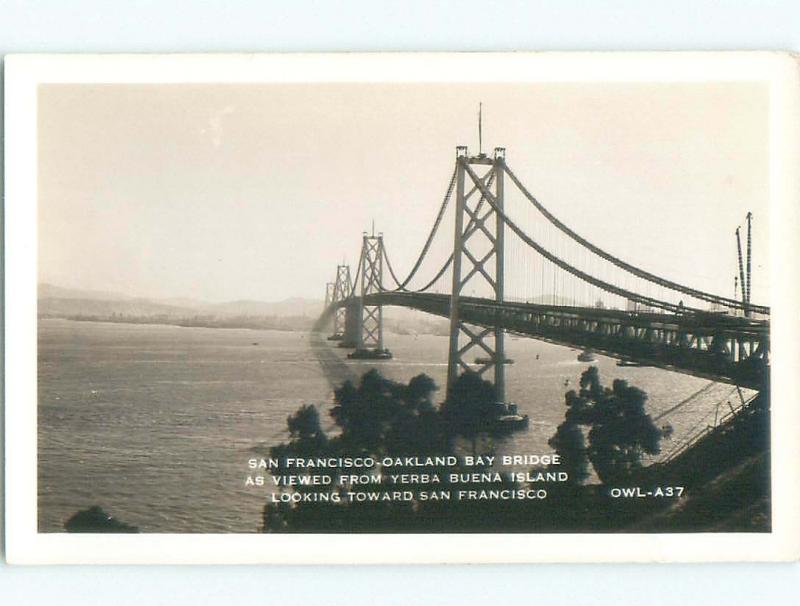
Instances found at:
x=719 y=347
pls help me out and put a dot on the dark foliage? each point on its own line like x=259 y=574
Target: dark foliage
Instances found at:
x=95 y=519
x=606 y=428
x=381 y=416
x=619 y=430
x=571 y=445
x=470 y=407
x=304 y=425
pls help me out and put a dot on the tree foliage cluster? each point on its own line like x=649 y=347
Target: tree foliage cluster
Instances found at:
x=381 y=417
x=378 y=417
x=608 y=428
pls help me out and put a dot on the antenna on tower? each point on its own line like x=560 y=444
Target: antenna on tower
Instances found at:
x=480 y=129
x=373 y=228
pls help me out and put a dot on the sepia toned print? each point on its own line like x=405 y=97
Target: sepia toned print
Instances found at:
x=394 y=307
x=188 y=233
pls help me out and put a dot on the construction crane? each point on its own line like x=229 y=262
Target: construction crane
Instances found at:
x=744 y=279
x=749 y=249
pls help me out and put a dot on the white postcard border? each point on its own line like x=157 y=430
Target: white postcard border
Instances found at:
x=24 y=73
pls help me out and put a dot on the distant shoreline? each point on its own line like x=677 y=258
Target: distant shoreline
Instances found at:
x=303 y=324
x=288 y=324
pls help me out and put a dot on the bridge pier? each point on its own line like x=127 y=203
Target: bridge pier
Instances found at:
x=329 y=300
x=352 y=324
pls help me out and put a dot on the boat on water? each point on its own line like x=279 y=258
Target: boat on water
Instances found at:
x=587 y=355
x=490 y=361
x=631 y=363
x=507 y=417
x=370 y=354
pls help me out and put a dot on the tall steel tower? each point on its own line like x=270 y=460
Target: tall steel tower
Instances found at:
x=478 y=258
x=371 y=316
x=342 y=289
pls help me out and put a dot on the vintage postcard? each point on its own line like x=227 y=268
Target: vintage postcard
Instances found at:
x=402 y=308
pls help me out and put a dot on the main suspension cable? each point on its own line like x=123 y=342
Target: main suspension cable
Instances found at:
x=355 y=280
x=566 y=266
x=391 y=270
x=487 y=179
x=712 y=298
x=431 y=235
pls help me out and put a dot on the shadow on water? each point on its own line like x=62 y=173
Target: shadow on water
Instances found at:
x=335 y=370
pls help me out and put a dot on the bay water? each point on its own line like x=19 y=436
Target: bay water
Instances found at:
x=156 y=423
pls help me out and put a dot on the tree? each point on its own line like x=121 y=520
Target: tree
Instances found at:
x=470 y=408
x=416 y=428
x=304 y=424
x=95 y=519
x=620 y=431
x=378 y=417
x=570 y=444
x=306 y=439
x=381 y=415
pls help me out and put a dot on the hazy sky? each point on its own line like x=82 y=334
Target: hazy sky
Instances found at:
x=223 y=192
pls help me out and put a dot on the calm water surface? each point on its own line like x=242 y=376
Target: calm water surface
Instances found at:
x=156 y=423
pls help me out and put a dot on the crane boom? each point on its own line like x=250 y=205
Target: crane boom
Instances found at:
x=749 y=249
x=741 y=273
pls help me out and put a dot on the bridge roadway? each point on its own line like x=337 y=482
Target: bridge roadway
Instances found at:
x=718 y=347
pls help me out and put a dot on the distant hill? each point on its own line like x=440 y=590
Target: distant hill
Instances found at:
x=58 y=301
x=49 y=291
x=294 y=306
x=73 y=306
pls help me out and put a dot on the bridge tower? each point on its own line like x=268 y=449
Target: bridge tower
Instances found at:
x=370 y=334
x=479 y=245
x=342 y=288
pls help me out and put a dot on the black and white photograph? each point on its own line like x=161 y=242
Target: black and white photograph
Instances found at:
x=475 y=303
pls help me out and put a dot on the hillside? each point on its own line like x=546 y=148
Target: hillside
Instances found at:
x=55 y=301
x=294 y=306
x=50 y=291
x=62 y=307
x=726 y=475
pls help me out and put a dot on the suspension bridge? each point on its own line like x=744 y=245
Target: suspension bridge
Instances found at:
x=567 y=291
